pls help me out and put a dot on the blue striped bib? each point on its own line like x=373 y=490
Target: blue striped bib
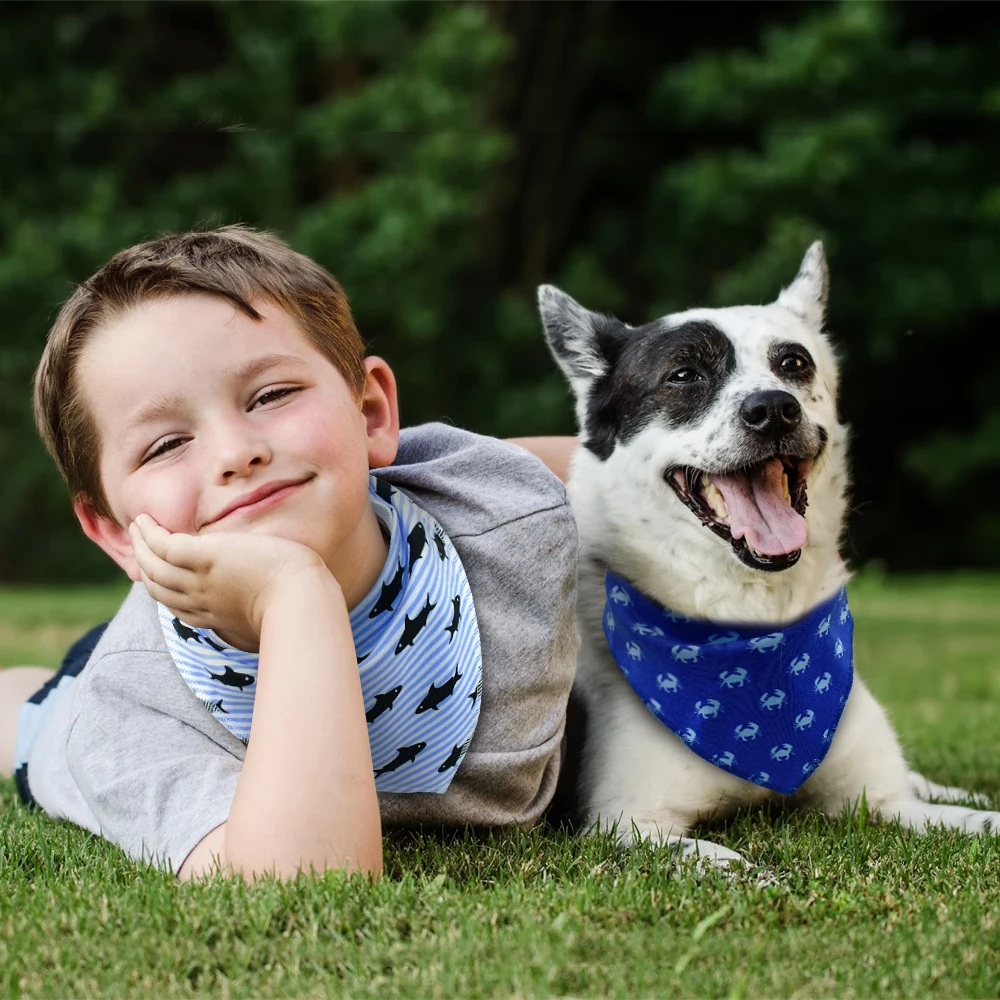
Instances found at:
x=417 y=642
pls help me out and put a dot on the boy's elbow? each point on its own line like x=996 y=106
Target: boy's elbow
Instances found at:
x=368 y=862
x=372 y=863
x=251 y=860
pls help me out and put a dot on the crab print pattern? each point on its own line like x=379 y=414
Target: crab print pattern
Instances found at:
x=761 y=702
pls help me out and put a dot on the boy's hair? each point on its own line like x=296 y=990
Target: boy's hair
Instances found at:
x=232 y=262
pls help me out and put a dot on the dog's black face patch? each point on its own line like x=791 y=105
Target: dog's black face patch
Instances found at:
x=655 y=370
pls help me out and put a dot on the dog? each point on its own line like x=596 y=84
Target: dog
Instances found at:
x=709 y=490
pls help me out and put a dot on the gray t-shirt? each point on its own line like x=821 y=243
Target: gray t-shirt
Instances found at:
x=131 y=753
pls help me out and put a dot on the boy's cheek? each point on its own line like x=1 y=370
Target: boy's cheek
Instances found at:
x=172 y=510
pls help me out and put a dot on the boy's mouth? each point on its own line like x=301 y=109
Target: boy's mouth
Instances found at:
x=268 y=495
x=759 y=510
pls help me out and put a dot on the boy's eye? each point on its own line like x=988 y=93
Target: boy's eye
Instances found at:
x=162 y=449
x=271 y=395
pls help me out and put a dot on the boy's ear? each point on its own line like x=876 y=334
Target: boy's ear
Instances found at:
x=109 y=535
x=380 y=408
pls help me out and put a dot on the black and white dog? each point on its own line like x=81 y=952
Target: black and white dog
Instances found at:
x=703 y=436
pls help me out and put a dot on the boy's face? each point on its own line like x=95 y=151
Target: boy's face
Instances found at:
x=212 y=421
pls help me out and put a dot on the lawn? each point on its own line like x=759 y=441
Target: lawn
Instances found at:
x=846 y=909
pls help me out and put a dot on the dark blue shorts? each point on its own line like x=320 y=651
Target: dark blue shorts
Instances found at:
x=38 y=707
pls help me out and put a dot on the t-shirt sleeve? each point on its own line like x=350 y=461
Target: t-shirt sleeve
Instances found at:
x=149 y=772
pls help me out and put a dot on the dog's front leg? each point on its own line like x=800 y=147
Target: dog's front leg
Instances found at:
x=642 y=783
x=865 y=759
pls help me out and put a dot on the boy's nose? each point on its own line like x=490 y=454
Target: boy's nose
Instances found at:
x=241 y=468
x=239 y=453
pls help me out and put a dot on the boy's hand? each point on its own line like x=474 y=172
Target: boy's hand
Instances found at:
x=218 y=581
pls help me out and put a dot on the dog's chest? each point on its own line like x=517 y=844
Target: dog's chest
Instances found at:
x=761 y=703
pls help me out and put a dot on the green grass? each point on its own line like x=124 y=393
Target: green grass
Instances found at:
x=38 y=624
x=849 y=909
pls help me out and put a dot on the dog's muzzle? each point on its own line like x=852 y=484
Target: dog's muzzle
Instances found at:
x=759 y=509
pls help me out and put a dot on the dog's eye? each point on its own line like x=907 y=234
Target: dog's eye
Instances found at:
x=684 y=375
x=793 y=363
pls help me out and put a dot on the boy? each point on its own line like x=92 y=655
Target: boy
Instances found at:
x=403 y=643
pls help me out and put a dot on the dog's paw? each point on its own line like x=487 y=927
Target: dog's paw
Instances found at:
x=702 y=853
x=924 y=816
x=705 y=853
x=930 y=791
x=659 y=833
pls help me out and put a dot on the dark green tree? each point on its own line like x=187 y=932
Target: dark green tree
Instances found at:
x=360 y=132
x=442 y=159
x=854 y=126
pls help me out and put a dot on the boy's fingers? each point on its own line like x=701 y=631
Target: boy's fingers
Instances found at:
x=158 y=570
x=168 y=598
x=177 y=549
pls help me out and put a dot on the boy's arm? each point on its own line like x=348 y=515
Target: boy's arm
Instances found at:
x=555 y=452
x=306 y=796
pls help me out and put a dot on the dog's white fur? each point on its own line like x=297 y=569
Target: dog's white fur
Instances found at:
x=637 y=775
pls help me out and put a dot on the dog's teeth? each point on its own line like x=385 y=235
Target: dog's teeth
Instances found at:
x=784 y=487
x=714 y=498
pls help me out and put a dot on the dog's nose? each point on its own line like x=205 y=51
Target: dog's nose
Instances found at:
x=771 y=413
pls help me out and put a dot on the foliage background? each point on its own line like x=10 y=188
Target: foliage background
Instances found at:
x=442 y=159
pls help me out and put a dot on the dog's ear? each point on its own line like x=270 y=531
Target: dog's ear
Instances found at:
x=572 y=333
x=806 y=295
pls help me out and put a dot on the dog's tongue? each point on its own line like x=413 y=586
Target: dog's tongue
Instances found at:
x=758 y=509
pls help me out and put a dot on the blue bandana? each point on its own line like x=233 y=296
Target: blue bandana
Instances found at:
x=762 y=702
x=417 y=641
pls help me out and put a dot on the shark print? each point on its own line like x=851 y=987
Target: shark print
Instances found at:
x=390 y=591
x=383 y=489
x=383 y=702
x=417 y=646
x=436 y=694
x=439 y=540
x=457 y=753
x=451 y=629
x=417 y=541
x=187 y=633
x=404 y=755
x=477 y=693
x=414 y=626
x=233 y=678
